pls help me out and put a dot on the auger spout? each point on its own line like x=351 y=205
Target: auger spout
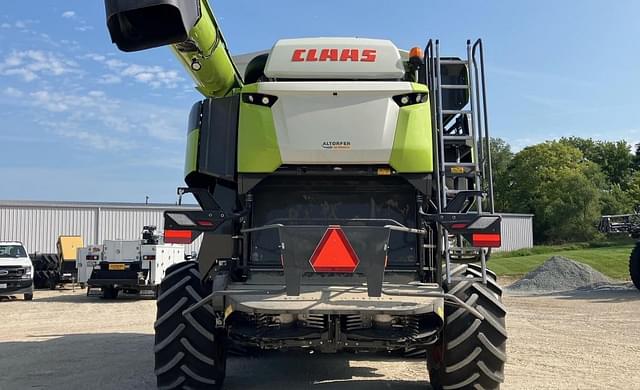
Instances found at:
x=188 y=27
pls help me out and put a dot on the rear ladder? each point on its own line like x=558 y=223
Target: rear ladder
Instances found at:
x=461 y=130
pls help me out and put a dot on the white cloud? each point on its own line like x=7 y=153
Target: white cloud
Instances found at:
x=153 y=75
x=30 y=64
x=95 y=56
x=20 y=24
x=96 y=141
x=68 y=14
x=83 y=28
x=5 y=25
x=109 y=79
x=50 y=102
x=13 y=92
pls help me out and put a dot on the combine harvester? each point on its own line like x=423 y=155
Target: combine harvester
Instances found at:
x=625 y=224
x=346 y=199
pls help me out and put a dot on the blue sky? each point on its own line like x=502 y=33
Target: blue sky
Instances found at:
x=81 y=121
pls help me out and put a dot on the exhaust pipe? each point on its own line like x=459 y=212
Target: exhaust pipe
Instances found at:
x=188 y=27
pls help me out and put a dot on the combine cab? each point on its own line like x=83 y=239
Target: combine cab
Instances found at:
x=346 y=198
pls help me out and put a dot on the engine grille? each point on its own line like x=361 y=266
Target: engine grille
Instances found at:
x=11 y=272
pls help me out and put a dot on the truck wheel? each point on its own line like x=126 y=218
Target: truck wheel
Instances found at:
x=188 y=352
x=634 y=266
x=472 y=352
x=28 y=297
x=109 y=292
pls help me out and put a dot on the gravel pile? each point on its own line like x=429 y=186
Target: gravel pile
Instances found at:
x=560 y=274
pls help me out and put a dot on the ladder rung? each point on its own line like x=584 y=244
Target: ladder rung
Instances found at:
x=453 y=62
x=455 y=164
x=455 y=112
x=457 y=138
x=454 y=86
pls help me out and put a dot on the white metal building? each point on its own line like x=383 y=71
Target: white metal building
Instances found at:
x=38 y=224
x=517 y=232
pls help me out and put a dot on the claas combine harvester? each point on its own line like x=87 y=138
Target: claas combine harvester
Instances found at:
x=346 y=198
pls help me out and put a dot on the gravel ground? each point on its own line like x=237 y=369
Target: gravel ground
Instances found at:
x=65 y=340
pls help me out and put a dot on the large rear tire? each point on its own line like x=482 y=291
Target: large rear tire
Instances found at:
x=634 y=266
x=188 y=352
x=472 y=352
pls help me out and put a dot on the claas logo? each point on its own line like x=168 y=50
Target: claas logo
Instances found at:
x=334 y=55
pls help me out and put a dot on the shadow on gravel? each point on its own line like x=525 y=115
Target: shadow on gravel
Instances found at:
x=604 y=293
x=125 y=361
x=96 y=361
x=83 y=298
x=299 y=370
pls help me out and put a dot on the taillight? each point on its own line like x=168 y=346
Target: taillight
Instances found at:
x=259 y=99
x=490 y=240
x=410 y=99
x=334 y=253
x=92 y=257
x=178 y=236
x=149 y=257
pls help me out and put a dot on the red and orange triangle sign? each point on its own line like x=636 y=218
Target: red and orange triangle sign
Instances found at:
x=334 y=253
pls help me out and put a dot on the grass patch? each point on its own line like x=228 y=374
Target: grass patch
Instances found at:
x=612 y=259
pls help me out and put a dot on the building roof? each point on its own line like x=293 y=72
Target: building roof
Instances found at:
x=517 y=215
x=93 y=205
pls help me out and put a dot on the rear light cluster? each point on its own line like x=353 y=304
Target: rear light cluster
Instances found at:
x=178 y=236
x=259 y=99
x=410 y=99
x=92 y=257
x=149 y=257
x=489 y=240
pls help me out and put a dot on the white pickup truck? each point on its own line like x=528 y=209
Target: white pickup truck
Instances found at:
x=16 y=270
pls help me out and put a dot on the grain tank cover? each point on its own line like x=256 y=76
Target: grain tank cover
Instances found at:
x=335 y=59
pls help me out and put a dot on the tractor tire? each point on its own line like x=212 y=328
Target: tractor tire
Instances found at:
x=40 y=279
x=476 y=269
x=188 y=352
x=52 y=281
x=472 y=352
x=634 y=266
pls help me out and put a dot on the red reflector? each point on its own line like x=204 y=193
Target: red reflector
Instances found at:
x=491 y=240
x=458 y=226
x=205 y=223
x=177 y=236
x=334 y=253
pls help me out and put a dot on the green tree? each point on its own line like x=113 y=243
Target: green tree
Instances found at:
x=501 y=157
x=634 y=189
x=614 y=158
x=616 y=201
x=555 y=182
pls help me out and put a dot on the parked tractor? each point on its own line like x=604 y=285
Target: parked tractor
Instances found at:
x=347 y=202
